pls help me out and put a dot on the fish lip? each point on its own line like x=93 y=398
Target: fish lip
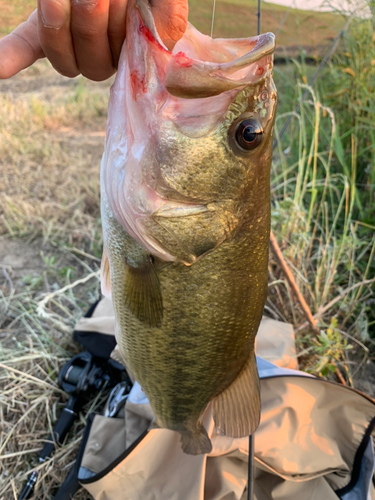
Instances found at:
x=265 y=45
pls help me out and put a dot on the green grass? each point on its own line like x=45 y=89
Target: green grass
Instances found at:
x=323 y=184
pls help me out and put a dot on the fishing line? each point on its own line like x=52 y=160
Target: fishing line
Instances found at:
x=259 y=15
x=213 y=18
x=250 y=463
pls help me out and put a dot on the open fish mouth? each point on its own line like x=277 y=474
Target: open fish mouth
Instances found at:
x=200 y=66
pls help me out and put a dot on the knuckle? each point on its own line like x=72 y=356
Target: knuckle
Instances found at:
x=27 y=43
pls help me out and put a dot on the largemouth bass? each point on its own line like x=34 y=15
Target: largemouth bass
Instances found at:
x=186 y=221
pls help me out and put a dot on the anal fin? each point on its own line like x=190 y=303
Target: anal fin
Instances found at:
x=237 y=409
x=143 y=294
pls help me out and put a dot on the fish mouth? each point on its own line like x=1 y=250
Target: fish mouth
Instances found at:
x=200 y=66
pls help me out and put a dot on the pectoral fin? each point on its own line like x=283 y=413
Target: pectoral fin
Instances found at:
x=143 y=294
x=115 y=354
x=237 y=409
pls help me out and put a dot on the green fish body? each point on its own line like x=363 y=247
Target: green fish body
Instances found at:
x=186 y=221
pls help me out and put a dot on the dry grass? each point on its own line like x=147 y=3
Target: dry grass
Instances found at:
x=33 y=349
x=50 y=150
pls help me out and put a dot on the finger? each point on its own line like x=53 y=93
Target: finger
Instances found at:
x=55 y=37
x=89 y=27
x=116 y=27
x=20 y=49
x=171 y=18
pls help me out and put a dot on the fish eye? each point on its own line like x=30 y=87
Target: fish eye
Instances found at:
x=248 y=134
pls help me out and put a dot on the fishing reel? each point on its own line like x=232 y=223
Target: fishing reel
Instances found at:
x=81 y=377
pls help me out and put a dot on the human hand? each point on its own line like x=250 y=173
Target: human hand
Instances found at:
x=83 y=36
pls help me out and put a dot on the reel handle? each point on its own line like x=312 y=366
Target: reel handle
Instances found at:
x=59 y=432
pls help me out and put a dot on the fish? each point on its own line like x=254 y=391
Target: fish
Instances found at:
x=185 y=206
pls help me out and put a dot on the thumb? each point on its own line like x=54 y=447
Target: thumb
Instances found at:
x=171 y=18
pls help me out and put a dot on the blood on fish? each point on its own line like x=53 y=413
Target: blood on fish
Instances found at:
x=183 y=60
x=138 y=84
x=146 y=32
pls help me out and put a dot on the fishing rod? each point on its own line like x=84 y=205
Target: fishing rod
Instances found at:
x=81 y=378
x=250 y=466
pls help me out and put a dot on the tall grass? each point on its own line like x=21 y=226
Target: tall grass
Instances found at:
x=314 y=215
x=323 y=189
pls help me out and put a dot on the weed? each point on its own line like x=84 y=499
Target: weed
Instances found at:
x=329 y=350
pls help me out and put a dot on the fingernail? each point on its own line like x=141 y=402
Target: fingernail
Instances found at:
x=89 y=4
x=52 y=13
